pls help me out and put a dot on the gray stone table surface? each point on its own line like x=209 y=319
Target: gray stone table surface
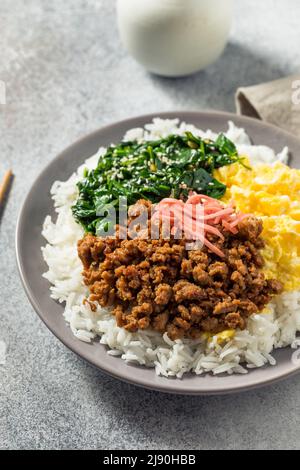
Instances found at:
x=66 y=74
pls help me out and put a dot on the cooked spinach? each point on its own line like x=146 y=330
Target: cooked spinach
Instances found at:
x=153 y=170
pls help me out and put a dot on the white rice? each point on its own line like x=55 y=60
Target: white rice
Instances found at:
x=248 y=349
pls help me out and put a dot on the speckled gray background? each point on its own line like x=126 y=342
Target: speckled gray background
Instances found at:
x=67 y=74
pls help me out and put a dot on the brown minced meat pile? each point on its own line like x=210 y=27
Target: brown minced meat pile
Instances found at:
x=159 y=284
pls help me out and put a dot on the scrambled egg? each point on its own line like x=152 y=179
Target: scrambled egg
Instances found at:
x=225 y=336
x=271 y=192
x=222 y=337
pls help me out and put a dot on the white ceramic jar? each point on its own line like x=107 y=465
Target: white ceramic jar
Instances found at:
x=174 y=37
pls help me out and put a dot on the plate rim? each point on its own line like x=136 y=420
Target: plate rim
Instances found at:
x=44 y=317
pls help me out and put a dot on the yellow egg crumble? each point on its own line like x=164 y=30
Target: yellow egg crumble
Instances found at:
x=271 y=192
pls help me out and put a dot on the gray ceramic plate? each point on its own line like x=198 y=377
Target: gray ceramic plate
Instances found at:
x=31 y=265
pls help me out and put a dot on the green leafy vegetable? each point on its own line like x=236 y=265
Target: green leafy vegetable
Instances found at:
x=152 y=170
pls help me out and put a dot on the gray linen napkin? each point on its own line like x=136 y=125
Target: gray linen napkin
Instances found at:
x=276 y=102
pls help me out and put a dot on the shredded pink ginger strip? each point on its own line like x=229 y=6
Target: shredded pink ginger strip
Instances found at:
x=197 y=223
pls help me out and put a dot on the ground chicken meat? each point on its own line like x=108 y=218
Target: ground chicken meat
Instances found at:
x=234 y=321
x=160 y=321
x=158 y=284
x=185 y=291
x=201 y=276
x=163 y=294
x=218 y=271
x=250 y=229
